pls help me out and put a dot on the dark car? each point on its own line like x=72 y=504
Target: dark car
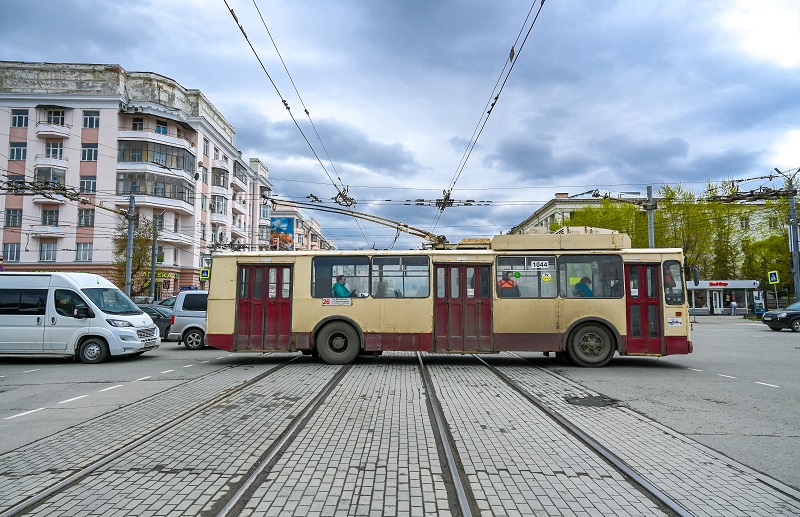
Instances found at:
x=168 y=302
x=162 y=317
x=788 y=318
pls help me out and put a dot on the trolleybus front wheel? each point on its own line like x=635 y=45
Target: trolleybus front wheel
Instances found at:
x=338 y=343
x=591 y=346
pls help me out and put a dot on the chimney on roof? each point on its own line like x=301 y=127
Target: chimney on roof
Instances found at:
x=562 y=195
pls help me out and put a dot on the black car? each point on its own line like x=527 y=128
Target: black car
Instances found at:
x=788 y=318
x=162 y=317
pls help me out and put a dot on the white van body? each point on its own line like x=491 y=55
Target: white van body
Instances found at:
x=73 y=314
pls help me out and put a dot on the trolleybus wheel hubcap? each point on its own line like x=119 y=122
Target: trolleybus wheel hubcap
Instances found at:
x=592 y=345
x=338 y=343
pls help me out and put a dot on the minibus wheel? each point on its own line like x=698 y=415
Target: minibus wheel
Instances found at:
x=591 y=346
x=338 y=343
x=93 y=350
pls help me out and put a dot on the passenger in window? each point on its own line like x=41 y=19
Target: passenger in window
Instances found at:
x=63 y=304
x=339 y=289
x=507 y=287
x=582 y=288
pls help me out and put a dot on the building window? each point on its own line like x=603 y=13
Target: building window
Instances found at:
x=16 y=184
x=225 y=158
x=161 y=127
x=88 y=184
x=55 y=117
x=160 y=255
x=54 y=150
x=18 y=151
x=219 y=178
x=138 y=124
x=11 y=251
x=19 y=118
x=175 y=256
x=47 y=251
x=205 y=175
x=216 y=153
x=51 y=176
x=84 y=252
x=264 y=211
x=202 y=231
x=50 y=217
x=205 y=146
x=203 y=202
x=88 y=152
x=13 y=217
x=175 y=224
x=158 y=220
x=91 y=119
x=219 y=205
x=263 y=232
x=86 y=217
x=744 y=223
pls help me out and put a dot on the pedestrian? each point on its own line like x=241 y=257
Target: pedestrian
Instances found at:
x=733 y=305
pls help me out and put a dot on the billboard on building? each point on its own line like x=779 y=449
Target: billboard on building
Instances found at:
x=283 y=230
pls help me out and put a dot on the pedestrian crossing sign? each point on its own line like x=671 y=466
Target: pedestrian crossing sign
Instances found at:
x=205 y=273
x=773 y=277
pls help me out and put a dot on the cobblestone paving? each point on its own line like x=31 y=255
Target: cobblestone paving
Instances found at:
x=186 y=470
x=369 y=450
x=29 y=470
x=704 y=482
x=518 y=461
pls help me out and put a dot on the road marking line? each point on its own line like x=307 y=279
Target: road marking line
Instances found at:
x=727 y=376
x=167 y=371
x=22 y=414
x=765 y=384
x=188 y=365
x=111 y=388
x=143 y=378
x=694 y=369
x=29 y=371
x=203 y=361
x=70 y=400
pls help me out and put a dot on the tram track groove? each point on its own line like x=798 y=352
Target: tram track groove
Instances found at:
x=253 y=478
x=457 y=475
x=593 y=444
x=83 y=472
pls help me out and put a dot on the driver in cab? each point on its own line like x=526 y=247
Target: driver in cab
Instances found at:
x=339 y=289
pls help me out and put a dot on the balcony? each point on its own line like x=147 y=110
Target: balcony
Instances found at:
x=150 y=135
x=239 y=207
x=238 y=183
x=175 y=238
x=48 y=199
x=48 y=129
x=43 y=160
x=219 y=219
x=239 y=231
x=219 y=164
x=47 y=231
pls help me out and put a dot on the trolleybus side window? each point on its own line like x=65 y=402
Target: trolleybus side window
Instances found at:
x=674 y=292
x=604 y=274
x=534 y=275
x=324 y=271
x=400 y=277
x=440 y=284
x=286 y=279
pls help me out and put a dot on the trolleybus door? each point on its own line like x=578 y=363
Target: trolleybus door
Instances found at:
x=263 y=308
x=644 y=309
x=463 y=309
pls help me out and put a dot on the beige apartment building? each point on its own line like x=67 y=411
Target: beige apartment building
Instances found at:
x=109 y=134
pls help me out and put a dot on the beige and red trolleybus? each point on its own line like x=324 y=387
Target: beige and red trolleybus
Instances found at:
x=633 y=301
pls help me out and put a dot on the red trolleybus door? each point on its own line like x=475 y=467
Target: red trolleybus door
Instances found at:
x=644 y=309
x=264 y=308
x=463 y=309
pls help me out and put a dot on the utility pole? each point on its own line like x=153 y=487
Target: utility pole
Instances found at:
x=129 y=255
x=793 y=239
x=153 y=257
x=651 y=206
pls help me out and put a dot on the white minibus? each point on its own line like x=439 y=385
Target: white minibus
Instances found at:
x=72 y=314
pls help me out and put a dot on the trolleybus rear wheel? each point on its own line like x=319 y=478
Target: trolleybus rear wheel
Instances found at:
x=338 y=343
x=93 y=351
x=591 y=346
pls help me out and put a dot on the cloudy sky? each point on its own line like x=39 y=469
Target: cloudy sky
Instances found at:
x=614 y=95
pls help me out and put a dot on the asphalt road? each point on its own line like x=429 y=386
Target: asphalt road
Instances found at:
x=738 y=393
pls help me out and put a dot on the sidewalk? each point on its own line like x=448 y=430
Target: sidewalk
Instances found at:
x=721 y=318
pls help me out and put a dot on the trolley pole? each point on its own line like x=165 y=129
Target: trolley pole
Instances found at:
x=129 y=254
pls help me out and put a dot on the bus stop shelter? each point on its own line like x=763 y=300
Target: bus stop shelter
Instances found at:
x=715 y=297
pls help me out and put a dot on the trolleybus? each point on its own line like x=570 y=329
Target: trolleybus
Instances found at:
x=633 y=301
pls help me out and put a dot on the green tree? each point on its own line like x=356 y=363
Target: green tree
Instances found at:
x=622 y=217
x=770 y=254
x=142 y=252
x=681 y=221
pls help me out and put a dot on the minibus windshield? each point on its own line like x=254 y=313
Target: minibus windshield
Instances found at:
x=111 y=300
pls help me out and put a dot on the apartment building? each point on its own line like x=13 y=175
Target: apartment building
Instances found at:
x=110 y=135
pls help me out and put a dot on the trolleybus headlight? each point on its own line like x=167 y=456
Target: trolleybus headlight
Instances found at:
x=119 y=323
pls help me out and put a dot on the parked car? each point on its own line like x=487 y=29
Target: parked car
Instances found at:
x=168 y=302
x=161 y=316
x=788 y=318
x=189 y=319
